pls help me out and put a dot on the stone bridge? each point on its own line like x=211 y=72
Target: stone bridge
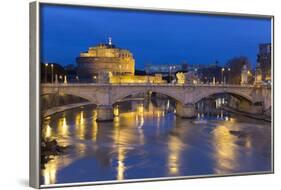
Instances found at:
x=105 y=95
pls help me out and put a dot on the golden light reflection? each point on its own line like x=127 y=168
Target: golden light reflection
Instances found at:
x=225 y=150
x=63 y=127
x=118 y=139
x=175 y=147
x=123 y=136
x=80 y=125
x=48 y=131
x=49 y=173
x=140 y=109
x=95 y=127
x=116 y=110
x=140 y=122
x=120 y=164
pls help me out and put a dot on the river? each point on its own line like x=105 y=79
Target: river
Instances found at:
x=147 y=140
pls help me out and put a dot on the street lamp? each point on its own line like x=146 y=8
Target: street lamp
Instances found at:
x=228 y=75
x=222 y=70
x=52 y=67
x=170 y=69
x=46 y=67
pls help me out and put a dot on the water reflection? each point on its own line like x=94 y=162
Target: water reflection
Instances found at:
x=62 y=127
x=80 y=126
x=147 y=140
x=49 y=173
x=118 y=141
x=174 y=147
x=225 y=150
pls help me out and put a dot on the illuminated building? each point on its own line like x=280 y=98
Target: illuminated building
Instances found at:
x=264 y=58
x=105 y=57
x=115 y=79
x=105 y=63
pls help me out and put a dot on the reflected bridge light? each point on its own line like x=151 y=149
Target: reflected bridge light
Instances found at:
x=50 y=172
x=140 y=108
x=62 y=126
x=48 y=131
x=116 y=110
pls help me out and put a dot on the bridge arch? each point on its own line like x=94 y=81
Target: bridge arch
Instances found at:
x=223 y=91
x=123 y=95
x=85 y=96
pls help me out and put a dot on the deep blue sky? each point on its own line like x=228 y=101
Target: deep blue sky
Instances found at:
x=152 y=37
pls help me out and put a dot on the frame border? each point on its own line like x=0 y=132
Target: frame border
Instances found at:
x=34 y=90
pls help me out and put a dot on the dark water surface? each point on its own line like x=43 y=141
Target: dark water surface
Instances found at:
x=147 y=140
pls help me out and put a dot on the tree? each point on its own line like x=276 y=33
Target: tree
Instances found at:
x=233 y=69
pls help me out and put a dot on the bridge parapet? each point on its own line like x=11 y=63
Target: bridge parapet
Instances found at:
x=105 y=95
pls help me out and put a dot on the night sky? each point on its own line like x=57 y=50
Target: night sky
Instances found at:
x=152 y=37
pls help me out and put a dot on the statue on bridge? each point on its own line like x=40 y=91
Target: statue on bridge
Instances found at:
x=244 y=75
x=180 y=78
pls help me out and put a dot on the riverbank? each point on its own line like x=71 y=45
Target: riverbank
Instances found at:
x=246 y=114
x=54 y=110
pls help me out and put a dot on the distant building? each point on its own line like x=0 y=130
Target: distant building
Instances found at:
x=165 y=69
x=264 y=58
x=207 y=73
x=196 y=67
x=105 y=57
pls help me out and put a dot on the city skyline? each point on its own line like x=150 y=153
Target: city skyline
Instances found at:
x=152 y=37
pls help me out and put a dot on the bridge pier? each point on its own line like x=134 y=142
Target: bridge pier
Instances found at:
x=104 y=113
x=186 y=111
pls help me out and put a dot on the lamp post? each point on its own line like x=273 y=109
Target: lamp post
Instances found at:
x=170 y=73
x=228 y=75
x=196 y=75
x=46 y=67
x=174 y=69
x=222 y=70
x=52 y=67
x=249 y=74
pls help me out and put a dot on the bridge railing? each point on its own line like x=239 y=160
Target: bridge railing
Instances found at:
x=146 y=84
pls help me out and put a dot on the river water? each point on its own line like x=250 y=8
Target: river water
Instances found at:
x=147 y=140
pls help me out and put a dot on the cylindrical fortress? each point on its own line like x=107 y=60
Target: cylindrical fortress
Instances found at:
x=105 y=58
